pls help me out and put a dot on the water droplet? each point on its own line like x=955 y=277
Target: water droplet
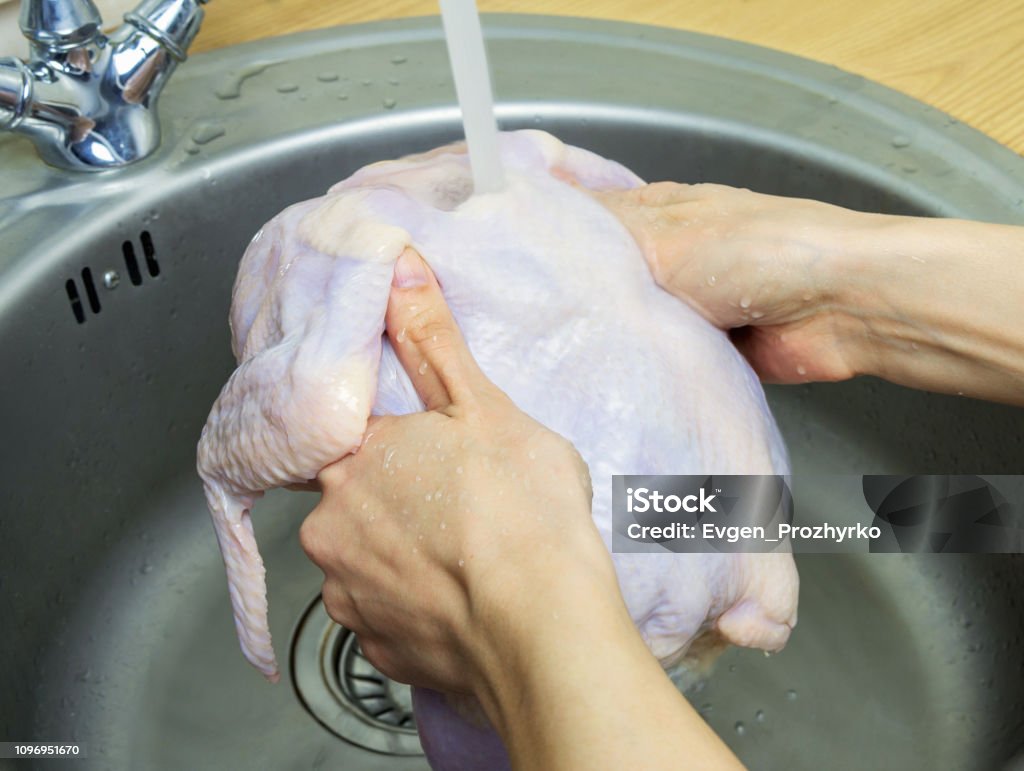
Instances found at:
x=146 y=569
x=365 y=505
x=759 y=716
x=744 y=302
x=462 y=563
x=901 y=140
x=287 y=88
x=791 y=694
x=801 y=369
x=740 y=728
x=231 y=85
x=458 y=469
x=366 y=82
x=756 y=314
x=428 y=497
x=207 y=131
x=393 y=81
x=444 y=525
x=401 y=339
x=399 y=59
x=389 y=103
x=343 y=97
x=712 y=280
x=422 y=369
x=327 y=77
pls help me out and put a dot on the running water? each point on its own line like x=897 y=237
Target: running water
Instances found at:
x=466 y=51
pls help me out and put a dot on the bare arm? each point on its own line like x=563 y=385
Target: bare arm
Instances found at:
x=817 y=292
x=458 y=544
x=939 y=304
x=580 y=689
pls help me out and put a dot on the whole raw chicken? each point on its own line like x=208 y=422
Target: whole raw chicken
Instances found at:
x=556 y=302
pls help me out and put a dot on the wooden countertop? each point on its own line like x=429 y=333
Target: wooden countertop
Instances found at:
x=965 y=57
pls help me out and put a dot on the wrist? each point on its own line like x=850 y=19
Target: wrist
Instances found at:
x=528 y=633
x=853 y=284
x=576 y=687
x=934 y=304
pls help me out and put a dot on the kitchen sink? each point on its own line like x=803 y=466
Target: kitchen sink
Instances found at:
x=114 y=293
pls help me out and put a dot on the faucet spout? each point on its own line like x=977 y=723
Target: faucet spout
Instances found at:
x=88 y=101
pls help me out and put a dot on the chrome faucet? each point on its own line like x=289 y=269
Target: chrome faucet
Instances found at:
x=86 y=99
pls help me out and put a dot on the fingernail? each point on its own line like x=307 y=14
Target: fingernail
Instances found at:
x=410 y=270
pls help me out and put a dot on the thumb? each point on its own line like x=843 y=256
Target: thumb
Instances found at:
x=426 y=338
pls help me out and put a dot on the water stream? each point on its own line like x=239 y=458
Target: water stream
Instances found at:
x=468 y=57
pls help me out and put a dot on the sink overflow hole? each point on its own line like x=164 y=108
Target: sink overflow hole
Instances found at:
x=76 y=303
x=131 y=264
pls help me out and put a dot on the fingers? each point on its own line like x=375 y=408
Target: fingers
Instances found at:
x=426 y=338
x=341 y=607
x=311 y=486
x=794 y=353
x=653 y=195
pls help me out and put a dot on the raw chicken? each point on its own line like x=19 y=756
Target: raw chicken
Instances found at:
x=554 y=298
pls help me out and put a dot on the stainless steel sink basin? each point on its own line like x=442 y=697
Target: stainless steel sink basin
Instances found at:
x=116 y=628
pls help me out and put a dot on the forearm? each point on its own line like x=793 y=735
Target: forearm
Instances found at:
x=581 y=690
x=937 y=304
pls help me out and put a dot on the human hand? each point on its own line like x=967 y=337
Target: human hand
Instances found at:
x=758 y=264
x=811 y=291
x=458 y=545
x=442 y=533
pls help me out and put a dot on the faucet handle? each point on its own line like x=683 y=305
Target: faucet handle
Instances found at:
x=174 y=23
x=59 y=25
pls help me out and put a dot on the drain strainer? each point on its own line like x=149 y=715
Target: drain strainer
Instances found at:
x=344 y=692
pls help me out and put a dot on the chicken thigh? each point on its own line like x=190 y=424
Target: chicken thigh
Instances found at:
x=556 y=303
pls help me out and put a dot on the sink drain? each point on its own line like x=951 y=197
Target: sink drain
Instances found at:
x=345 y=692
